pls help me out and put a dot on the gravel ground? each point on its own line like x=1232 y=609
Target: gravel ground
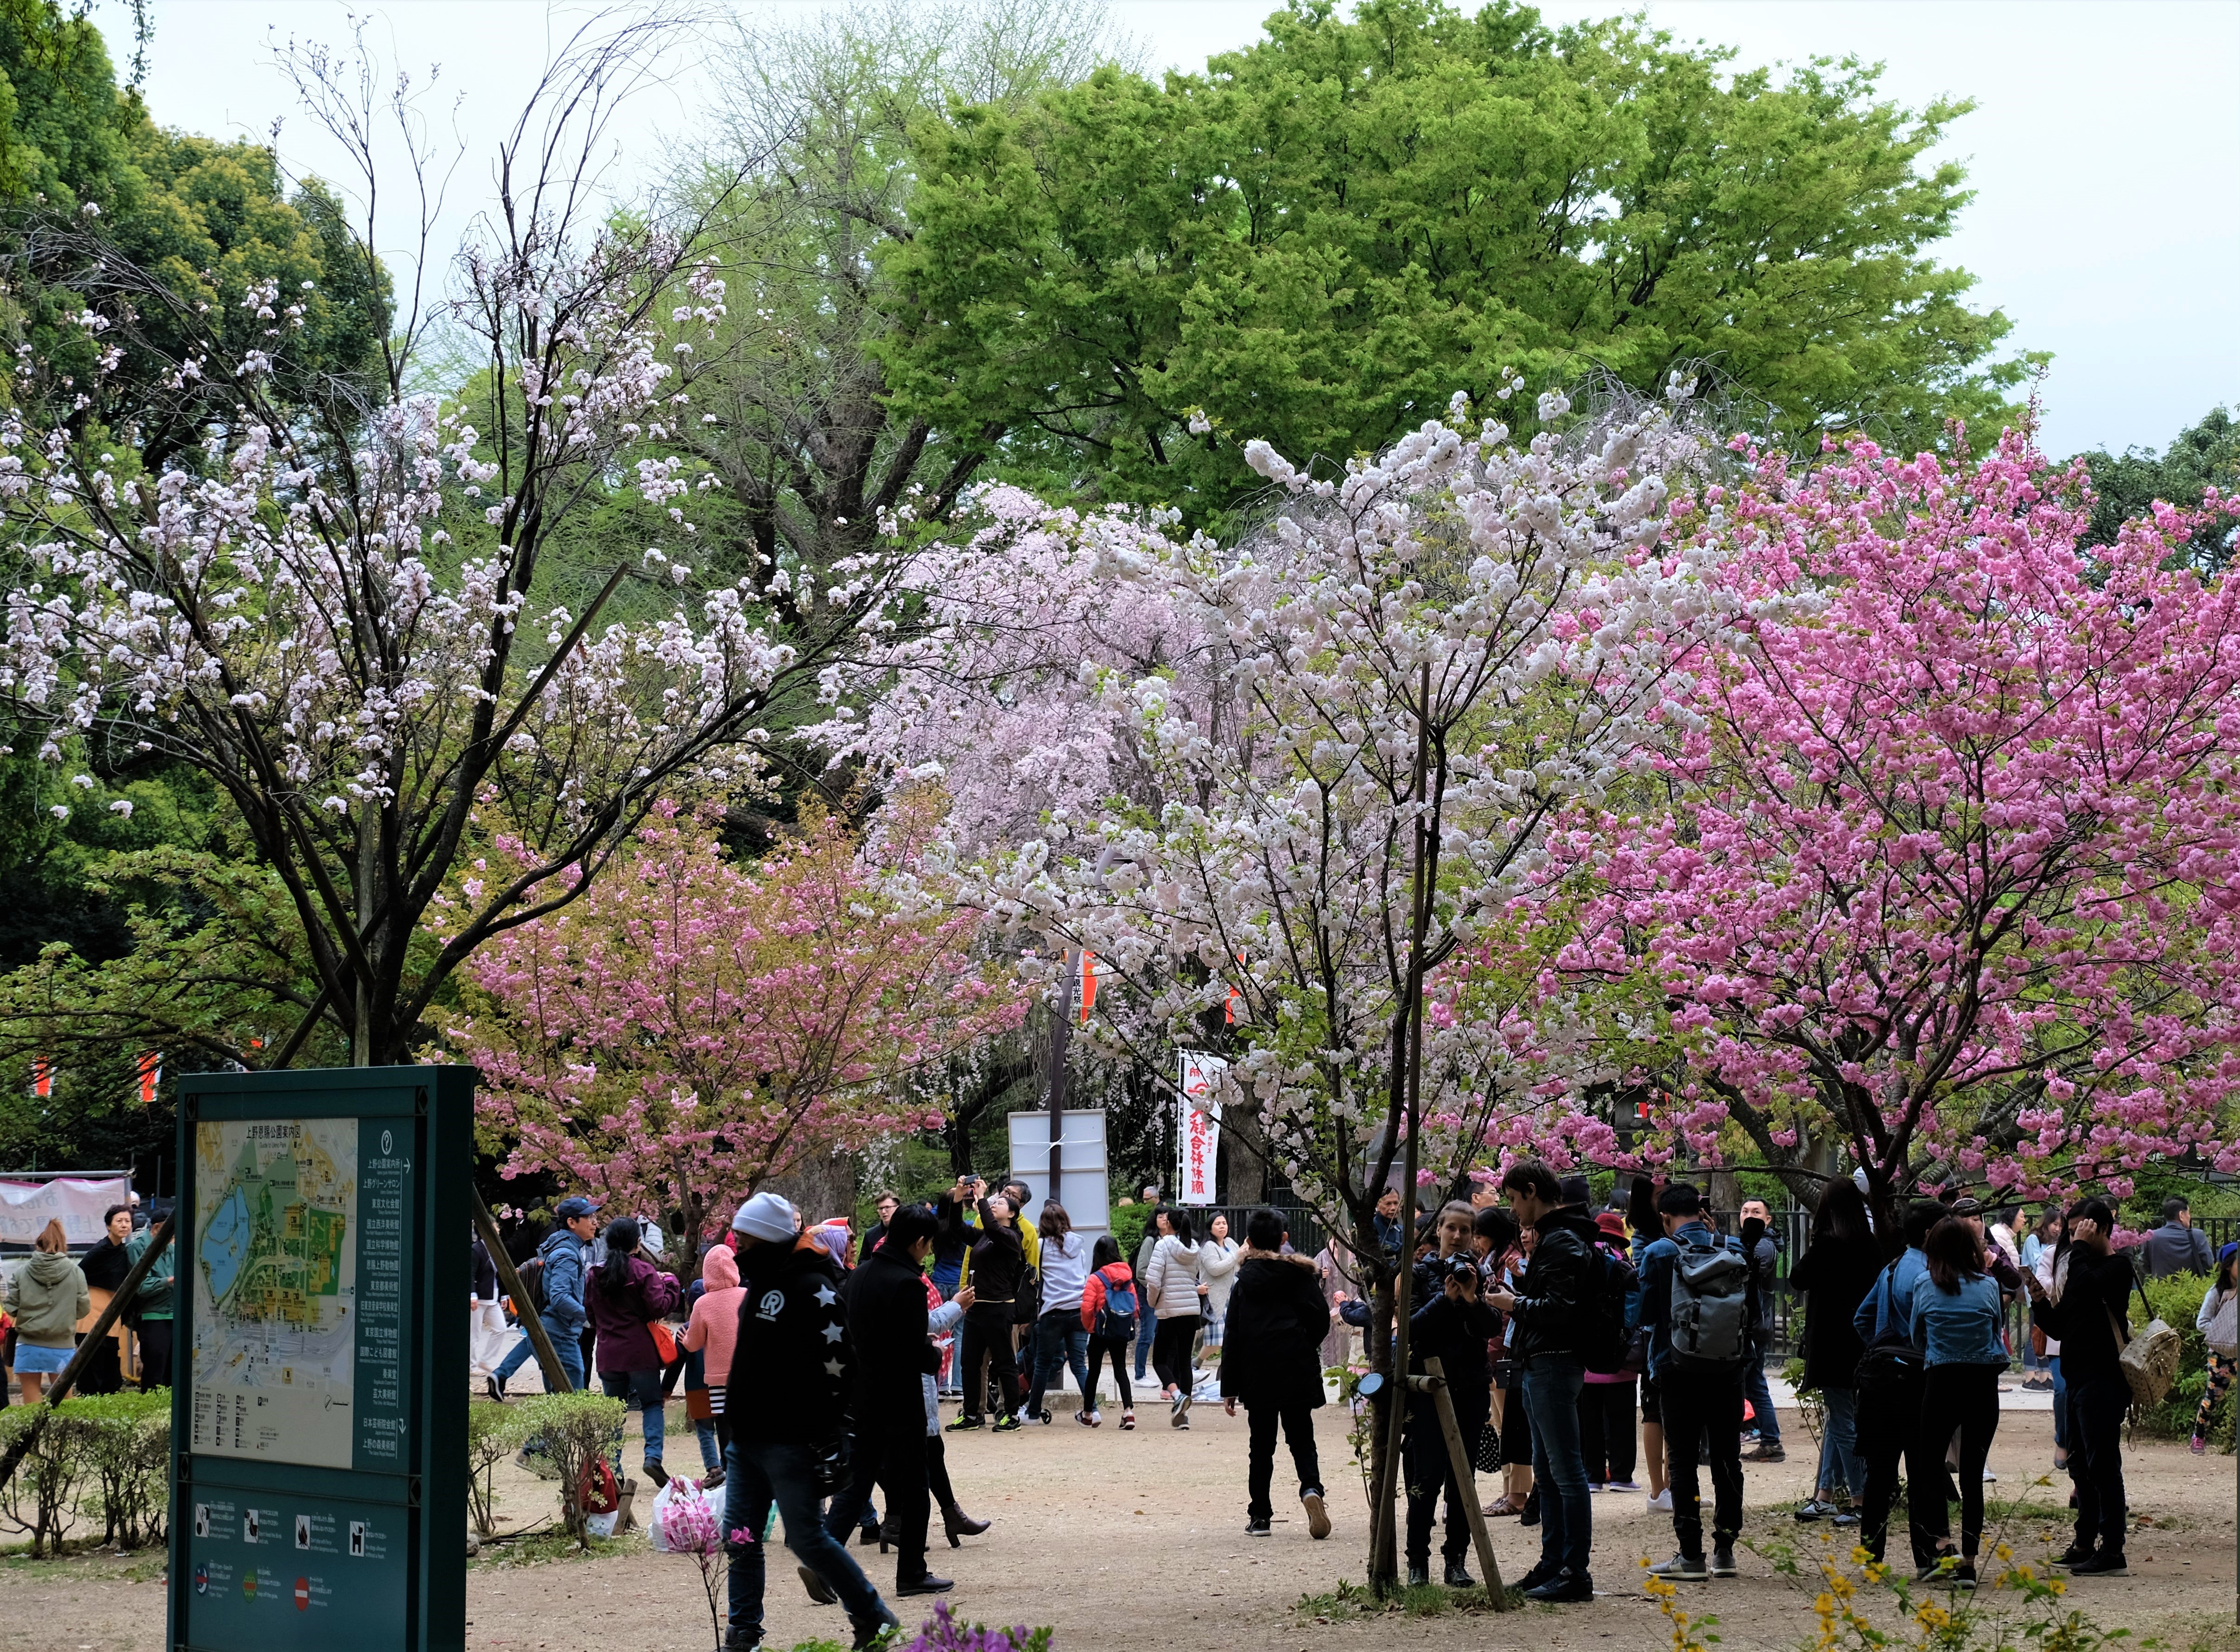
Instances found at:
x=1136 y=1541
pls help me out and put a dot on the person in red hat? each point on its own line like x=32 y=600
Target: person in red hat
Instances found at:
x=1606 y=1435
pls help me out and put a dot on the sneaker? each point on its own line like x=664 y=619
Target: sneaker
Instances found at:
x=1127 y=1420
x=1943 y=1569
x=1318 y=1520
x=2198 y=1444
x=1458 y=1575
x=1662 y=1503
x=1963 y=1577
x=1812 y=1509
x=1683 y=1569
x=1990 y=1479
x=1563 y=1590
x=1624 y=1485
x=1179 y=1418
x=1090 y=1419
x=1006 y=1424
x=2103 y=1564
x=1845 y=1518
x=2074 y=1554
x=1258 y=1526
x=964 y=1425
x=1766 y=1453
x=1541 y=1572
x=1722 y=1561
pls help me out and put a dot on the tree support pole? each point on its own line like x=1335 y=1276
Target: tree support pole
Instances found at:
x=1466 y=1478
x=548 y=1360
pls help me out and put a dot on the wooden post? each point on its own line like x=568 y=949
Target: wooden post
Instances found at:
x=1465 y=1480
x=548 y=1360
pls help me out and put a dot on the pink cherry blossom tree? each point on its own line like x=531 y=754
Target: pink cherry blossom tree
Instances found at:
x=692 y=1026
x=1951 y=879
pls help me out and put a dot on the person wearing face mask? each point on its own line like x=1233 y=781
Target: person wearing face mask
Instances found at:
x=2085 y=1309
x=792 y=1374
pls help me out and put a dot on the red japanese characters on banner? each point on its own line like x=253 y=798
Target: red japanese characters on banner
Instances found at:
x=1199 y=1127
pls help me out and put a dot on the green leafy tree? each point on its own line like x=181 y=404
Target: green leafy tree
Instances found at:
x=2127 y=483
x=1322 y=236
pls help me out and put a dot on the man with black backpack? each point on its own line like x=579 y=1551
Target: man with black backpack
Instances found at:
x=1559 y=1322
x=1696 y=1299
x=1888 y=1384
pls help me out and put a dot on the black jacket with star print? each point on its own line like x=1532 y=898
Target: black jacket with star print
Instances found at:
x=793 y=1367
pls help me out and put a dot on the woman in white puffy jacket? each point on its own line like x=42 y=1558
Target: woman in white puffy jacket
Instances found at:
x=1218 y=1256
x=1171 y=1282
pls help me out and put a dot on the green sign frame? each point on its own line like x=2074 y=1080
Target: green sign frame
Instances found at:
x=319 y=1402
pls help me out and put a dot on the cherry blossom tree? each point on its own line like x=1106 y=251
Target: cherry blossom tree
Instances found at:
x=1950 y=878
x=1391 y=693
x=362 y=621
x=691 y=1026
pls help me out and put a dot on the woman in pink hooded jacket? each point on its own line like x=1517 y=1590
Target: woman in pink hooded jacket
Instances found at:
x=712 y=1330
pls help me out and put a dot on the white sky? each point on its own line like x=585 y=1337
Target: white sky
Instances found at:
x=2103 y=152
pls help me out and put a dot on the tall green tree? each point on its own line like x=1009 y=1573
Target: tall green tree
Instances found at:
x=1322 y=238
x=2206 y=455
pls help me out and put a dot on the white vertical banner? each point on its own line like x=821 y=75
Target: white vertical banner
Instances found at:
x=1199 y=1131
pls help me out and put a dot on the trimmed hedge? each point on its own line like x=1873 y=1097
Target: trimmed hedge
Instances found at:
x=102 y=1458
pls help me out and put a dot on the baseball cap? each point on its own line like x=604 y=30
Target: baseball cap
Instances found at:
x=575 y=1205
x=768 y=1216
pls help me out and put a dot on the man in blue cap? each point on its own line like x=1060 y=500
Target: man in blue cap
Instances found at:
x=560 y=1266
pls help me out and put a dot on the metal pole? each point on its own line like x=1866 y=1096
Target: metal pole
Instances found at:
x=548 y=1361
x=59 y=1389
x=1061 y=1034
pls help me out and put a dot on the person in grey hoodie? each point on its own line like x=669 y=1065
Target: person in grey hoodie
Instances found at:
x=48 y=1298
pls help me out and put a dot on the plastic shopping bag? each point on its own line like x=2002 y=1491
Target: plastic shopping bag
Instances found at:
x=688 y=1517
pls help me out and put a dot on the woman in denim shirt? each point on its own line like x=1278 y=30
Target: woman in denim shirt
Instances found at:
x=1957 y=1324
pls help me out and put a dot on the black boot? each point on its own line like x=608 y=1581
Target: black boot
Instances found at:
x=958 y=1524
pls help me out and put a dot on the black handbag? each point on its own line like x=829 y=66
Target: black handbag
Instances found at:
x=1891 y=1363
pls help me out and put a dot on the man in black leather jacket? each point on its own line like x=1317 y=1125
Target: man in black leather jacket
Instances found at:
x=1551 y=1322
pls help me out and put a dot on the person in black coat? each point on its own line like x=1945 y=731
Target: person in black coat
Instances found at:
x=1834 y=1275
x=1452 y=1323
x=1270 y=1362
x=2087 y=1311
x=999 y=1274
x=886 y=1320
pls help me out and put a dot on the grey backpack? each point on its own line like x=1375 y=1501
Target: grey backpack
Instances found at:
x=1711 y=1307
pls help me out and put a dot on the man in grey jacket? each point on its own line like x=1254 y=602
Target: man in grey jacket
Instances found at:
x=2177 y=1247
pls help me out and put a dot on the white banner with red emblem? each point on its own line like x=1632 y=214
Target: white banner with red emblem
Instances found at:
x=1199 y=1133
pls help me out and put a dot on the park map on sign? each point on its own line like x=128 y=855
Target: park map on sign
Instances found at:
x=275 y=1288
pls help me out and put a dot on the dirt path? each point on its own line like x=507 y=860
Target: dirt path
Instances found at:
x=1135 y=1541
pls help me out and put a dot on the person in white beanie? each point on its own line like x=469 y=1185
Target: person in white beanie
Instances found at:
x=792 y=1373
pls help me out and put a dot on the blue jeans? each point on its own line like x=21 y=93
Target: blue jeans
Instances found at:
x=1761 y=1399
x=1842 y=1469
x=1552 y=1382
x=757 y=1474
x=1061 y=1342
x=644 y=1386
x=1147 y=1326
x=570 y=1353
x=2060 y=1403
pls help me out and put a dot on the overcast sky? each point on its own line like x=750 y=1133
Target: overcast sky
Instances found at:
x=2104 y=149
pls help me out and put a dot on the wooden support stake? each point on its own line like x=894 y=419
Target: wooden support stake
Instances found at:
x=1466 y=1481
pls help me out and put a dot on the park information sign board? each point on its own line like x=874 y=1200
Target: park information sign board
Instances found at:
x=318 y=1405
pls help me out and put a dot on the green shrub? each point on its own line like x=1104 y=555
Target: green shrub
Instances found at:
x=1127 y=1223
x=41 y=1496
x=127 y=1446
x=571 y=1432
x=491 y=1435
x=2176 y=1299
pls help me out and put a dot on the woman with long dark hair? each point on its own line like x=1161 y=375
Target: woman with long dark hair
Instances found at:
x=1173 y=1287
x=1110 y=1329
x=1834 y=1275
x=624 y=1294
x=1059 y=1340
x=1956 y=1320
x=2086 y=1306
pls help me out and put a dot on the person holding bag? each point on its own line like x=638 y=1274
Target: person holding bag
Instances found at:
x=2085 y=1309
x=628 y=1296
x=2218 y=1321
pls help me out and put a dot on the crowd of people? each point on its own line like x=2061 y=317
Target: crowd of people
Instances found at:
x=53 y=1293
x=814 y=1365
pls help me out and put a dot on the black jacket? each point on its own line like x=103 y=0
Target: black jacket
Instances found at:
x=885 y=1298
x=482 y=1272
x=105 y=1265
x=1557 y=1294
x=1271 y=1342
x=1834 y=1279
x=1455 y=1332
x=2097 y=1288
x=793 y=1367
x=999 y=1260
